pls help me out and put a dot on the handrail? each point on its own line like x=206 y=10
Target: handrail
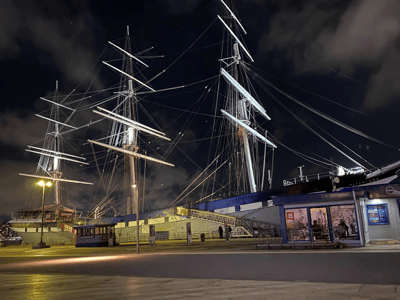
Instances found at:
x=265 y=238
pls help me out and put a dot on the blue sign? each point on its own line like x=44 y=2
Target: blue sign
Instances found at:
x=377 y=214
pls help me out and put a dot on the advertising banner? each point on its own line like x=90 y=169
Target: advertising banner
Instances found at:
x=377 y=214
x=68 y=228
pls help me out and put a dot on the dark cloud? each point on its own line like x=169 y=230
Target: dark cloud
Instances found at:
x=20 y=128
x=177 y=7
x=341 y=35
x=57 y=34
x=14 y=188
x=166 y=186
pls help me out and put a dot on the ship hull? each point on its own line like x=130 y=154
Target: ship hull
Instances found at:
x=59 y=238
x=52 y=235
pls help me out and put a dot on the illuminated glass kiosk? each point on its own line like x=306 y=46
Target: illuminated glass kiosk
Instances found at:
x=353 y=216
x=95 y=235
x=319 y=218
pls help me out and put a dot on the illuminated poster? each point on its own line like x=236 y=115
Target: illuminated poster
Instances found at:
x=377 y=214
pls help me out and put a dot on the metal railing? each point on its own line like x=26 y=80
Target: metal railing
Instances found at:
x=165 y=235
x=25 y=221
x=305 y=178
x=296 y=238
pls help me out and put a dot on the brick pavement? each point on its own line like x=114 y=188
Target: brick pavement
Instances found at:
x=56 y=286
x=73 y=286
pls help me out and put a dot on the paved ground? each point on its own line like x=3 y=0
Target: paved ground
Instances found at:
x=211 y=270
x=43 y=287
x=179 y=246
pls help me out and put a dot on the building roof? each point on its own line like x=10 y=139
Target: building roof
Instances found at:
x=369 y=192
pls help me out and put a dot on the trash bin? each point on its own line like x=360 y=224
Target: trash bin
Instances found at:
x=202 y=237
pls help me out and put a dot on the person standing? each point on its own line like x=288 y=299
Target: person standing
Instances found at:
x=345 y=228
x=221 y=232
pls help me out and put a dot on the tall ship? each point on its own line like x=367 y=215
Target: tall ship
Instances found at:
x=236 y=178
x=222 y=146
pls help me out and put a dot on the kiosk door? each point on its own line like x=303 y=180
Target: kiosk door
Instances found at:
x=319 y=223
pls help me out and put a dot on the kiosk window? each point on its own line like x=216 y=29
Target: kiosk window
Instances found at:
x=91 y=231
x=344 y=222
x=78 y=232
x=297 y=224
x=97 y=231
x=319 y=223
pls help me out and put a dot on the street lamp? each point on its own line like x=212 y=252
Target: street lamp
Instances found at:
x=134 y=186
x=43 y=185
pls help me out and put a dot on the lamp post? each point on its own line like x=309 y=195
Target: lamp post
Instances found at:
x=134 y=186
x=41 y=244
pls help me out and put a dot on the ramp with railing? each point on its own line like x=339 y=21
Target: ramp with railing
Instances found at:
x=241 y=228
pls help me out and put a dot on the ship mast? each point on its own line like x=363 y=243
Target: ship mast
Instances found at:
x=56 y=173
x=126 y=128
x=241 y=105
x=131 y=145
x=244 y=117
x=129 y=112
x=52 y=155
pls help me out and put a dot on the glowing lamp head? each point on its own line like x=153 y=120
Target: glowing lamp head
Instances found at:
x=42 y=183
x=134 y=185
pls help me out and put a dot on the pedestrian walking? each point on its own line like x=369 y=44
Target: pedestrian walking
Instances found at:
x=227 y=233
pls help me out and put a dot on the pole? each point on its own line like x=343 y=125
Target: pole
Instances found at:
x=41 y=234
x=135 y=194
x=137 y=223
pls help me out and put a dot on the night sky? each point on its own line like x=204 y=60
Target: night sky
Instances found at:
x=340 y=57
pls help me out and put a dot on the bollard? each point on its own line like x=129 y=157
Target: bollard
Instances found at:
x=291 y=235
x=312 y=238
